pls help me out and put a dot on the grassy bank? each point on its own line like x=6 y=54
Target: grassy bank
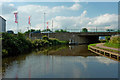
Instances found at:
x=94 y=45
x=112 y=45
x=13 y=45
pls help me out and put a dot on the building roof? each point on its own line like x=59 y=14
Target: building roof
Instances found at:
x=2 y=18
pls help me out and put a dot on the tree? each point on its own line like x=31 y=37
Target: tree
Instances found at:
x=109 y=30
x=32 y=30
x=45 y=30
x=118 y=30
x=61 y=30
x=84 y=30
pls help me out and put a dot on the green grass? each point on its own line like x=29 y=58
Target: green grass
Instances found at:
x=112 y=45
x=91 y=45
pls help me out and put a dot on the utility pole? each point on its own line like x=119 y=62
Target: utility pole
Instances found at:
x=52 y=25
x=96 y=29
x=44 y=20
x=28 y=28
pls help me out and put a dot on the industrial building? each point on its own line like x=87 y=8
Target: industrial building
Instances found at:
x=2 y=24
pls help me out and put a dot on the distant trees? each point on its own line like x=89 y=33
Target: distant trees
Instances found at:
x=109 y=30
x=32 y=30
x=84 y=30
x=10 y=31
x=46 y=30
x=61 y=30
x=118 y=30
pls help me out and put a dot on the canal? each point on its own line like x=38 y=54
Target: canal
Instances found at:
x=60 y=62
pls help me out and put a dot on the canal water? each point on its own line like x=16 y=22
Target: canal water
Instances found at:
x=60 y=62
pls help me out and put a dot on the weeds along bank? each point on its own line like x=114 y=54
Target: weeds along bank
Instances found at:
x=13 y=45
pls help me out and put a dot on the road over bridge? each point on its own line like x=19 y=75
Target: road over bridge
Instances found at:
x=76 y=37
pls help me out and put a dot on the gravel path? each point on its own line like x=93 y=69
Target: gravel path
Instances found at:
x=101 y=45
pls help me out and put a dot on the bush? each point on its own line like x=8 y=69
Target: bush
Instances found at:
x=5 y=52
x=55 y=41
x=45 y=37
x=107 y=38
x=115 y=40
x=14 y=44
x=61 y=30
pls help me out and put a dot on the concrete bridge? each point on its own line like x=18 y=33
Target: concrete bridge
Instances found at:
x=75 y=37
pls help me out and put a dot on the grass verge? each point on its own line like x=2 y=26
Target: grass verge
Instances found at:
x=112 y=45
x=92 y=45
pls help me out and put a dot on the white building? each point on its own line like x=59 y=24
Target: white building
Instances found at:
x=2 y=24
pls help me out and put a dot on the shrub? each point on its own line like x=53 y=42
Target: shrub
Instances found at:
x=115 y=40
x=61 y=30
x=38 y=43
x=15 y=44
x=4 y=52
x=45 y=37
x=107 y=38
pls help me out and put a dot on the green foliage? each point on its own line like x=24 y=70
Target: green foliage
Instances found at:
x=61 y=30
x=5 y=52
x=14 y=44
x=55 y=41
x=109 y=30
x=118 y=30
x=84 y=30
x=112 y=45
x=45 y=37
x=39 y=43
x=45 y=30
x=32 y=30
x=92 y=45
x=107 y=38
x=115 y=40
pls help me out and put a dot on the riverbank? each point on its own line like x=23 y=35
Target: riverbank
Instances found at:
x=109 y=49
x=14 y=45
x=102 y=46
x=112 y=44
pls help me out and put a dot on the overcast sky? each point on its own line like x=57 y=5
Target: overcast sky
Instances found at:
x=65 y=15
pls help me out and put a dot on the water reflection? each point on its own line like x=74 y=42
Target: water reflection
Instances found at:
x=60 y=62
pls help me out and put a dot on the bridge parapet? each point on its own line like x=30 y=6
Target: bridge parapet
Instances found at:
x=77 y=37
